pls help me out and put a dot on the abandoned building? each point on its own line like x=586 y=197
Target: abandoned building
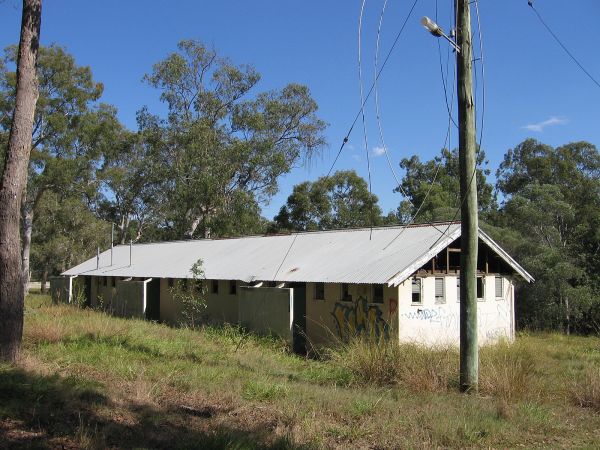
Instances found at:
x=311 y=288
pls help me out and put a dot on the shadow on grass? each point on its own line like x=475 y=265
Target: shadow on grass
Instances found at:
x=51 y=412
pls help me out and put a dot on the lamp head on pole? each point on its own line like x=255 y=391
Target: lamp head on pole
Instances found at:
x=437 y=31
x=432 y=27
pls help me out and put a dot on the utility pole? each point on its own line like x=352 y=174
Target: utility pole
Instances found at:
x=469 y=356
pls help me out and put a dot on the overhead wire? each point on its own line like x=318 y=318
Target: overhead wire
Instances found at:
x=378 y=112
x=563 y=46
x=444 y=79
x=483 y=95
x=446 y=143
x=370 y=91
x=362 y=110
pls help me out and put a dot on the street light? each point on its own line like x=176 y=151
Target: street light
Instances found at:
x=437 y=31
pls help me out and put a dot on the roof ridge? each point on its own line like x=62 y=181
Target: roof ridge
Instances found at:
x=292 y=233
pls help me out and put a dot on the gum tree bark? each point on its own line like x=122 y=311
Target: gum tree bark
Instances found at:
x=14 y=183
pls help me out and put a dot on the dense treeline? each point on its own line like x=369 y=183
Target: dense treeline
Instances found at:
x=206 y=166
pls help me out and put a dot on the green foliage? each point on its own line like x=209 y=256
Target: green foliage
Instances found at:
x=433 y=186
x=552 y=207
x=191 y=294
x=342 y=200
x=66 y=233
x=219 y=151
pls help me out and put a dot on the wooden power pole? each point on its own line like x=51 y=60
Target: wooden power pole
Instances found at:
x=469 y=357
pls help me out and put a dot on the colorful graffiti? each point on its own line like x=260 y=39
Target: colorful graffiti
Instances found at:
x=360 y=319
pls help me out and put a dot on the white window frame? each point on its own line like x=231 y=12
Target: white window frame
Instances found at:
x=439 y=300
x=412 y=284
x=501 y=297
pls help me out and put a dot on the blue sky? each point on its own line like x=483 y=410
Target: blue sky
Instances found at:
x=533 y=89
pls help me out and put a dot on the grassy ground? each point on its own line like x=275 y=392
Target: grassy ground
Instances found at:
x=87 y=380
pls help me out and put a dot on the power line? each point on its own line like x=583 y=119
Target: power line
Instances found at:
x=362 y=109
x=377 y=111
x=345 y=140
x=450 y=107
x=530 y=3
x=482 y=122
x=444 y=82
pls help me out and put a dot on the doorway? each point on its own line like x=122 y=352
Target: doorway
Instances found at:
x=299 y=319
x=88 y=292
x=153 y=300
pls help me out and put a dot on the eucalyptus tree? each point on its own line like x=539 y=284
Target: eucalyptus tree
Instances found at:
x=14 y=180
x=341 y=200
x=432 y=190
x=220 y=141
x=66 y=232
x=552 y=200
x=70 y=132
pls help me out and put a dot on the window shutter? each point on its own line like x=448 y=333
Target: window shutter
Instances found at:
x=439 y=287
x=416 y=286
x=499 y=287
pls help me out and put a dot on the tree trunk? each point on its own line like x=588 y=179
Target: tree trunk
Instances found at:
x=14 y=183
x=44 y=279
x=28 y=212
x=27 y=217
x=189 y=233
x=568 y=315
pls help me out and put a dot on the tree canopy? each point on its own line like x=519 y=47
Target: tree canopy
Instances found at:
x=342 y=200
x=221 y=148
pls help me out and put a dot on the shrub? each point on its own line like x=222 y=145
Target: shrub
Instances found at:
x=586 y=390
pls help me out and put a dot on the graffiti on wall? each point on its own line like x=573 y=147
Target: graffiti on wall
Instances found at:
x=432 y=315
x=359 y=319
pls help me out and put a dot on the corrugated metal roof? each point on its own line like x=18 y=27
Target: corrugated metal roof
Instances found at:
x=383 y=255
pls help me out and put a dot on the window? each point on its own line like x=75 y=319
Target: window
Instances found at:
x=346 y=296
x=458 y=289
x=440 y=291
x=214 y=286
x=480 y=289
x=171 y=282
x=377 y=293
x=319 y=291
x=416 y=289
x=232 y=287
x=499 y=288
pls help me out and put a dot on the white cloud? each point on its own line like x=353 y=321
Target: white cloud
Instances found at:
x=378 y=151
x=356 y=158
x=540 y=126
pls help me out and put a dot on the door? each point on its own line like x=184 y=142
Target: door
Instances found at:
x=88 y=292
x=299 y=319
x=153 y=299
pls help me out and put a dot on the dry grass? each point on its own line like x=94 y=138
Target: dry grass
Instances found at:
x=410 y=366
x=88 y=380
x=507 y=372
x=586 y=391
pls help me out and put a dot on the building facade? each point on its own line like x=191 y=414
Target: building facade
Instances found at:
x=394 y=283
